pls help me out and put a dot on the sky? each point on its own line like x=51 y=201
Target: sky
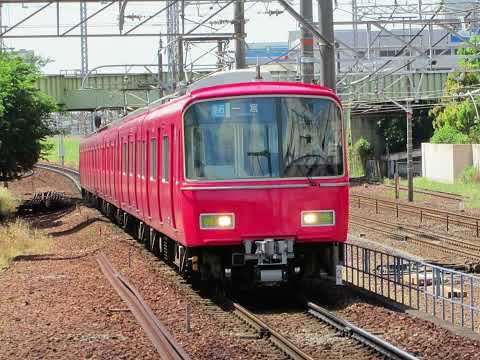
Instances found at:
x=65 y=53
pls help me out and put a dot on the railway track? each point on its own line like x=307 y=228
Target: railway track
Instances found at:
x=440 y=194
x=364 y=337
x=448 y=218
x=445 y=244
x=71 y=174
x=357 y=342
x=167 y=347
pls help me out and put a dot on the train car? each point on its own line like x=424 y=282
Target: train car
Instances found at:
x=242 y=183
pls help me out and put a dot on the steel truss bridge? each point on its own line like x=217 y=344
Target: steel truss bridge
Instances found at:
x=121 y=91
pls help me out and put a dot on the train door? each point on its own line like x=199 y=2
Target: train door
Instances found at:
x=125 y=169
x=140 y=173
x=104 y=168
x=131 y=174
x=153 y=208
x=112 y=173
x=166 y=201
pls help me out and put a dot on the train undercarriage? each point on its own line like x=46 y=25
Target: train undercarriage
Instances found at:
x=259 y=262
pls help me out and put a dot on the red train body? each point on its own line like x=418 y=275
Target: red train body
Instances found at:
x=243 y=182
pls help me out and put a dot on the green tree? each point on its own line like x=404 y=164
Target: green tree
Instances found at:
x=24 y=116
x=394 y=130
x=458 y=119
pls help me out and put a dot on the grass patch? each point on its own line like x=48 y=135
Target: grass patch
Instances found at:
x=71 y=146
x=8 y=204
x=17 y=238
x=469 y=190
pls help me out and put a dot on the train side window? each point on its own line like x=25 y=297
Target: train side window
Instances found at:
x=153 y=159
x=124 y=158
x=139 y=159
x=132 y=157
x=144 y=155
x=165 y=159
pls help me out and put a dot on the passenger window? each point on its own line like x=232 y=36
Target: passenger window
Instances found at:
x=132 y=157
x=144 y=155
x=153 y=159
x=124 y=158
x=139 y=159
x=165 y=159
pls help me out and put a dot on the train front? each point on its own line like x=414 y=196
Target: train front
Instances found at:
x=265 y=195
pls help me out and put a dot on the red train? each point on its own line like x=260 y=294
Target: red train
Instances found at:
x=242 y=183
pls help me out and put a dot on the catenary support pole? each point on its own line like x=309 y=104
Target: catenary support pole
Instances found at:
x=306 y=41
x=239 y=29
x=409 y=152
x=1 y=29
x=327 y=51
x=160 y=69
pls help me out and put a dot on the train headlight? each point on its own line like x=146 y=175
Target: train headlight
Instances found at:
x=318 y=218
x=217 y=221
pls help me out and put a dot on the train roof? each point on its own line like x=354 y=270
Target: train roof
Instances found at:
x=250 y=88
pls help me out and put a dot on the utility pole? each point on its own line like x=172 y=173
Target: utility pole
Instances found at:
x=220 y=55
x=1 y=29
x=181 y=70
x=239 y=30
x=409 y=151
x=306 y=41
x=83 y=38
x=160 y=68
x=327 y=50
x=409 y=113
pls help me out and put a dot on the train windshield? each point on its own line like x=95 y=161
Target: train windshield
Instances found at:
x=263 y=137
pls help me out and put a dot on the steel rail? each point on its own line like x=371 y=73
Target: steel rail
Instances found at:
x=415 y=207
x=381 y=346
x=71 y=174
x=275 y=337
x=450 y=217
x=440 y=194
x=167 y=347
x=420 y=237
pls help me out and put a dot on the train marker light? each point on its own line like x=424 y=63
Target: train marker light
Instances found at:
x=217 y=221
x=318 y=218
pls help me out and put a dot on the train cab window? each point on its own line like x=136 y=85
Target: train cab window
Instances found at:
x=132 y=158
x=153 y=159
x=124 y=158
x=263 y=137
x=165 y=159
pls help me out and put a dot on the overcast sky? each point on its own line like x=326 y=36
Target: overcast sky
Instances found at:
x=66 y=52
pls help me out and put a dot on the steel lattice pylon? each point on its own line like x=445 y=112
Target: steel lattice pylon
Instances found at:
x=172 y=46
x=83 y=38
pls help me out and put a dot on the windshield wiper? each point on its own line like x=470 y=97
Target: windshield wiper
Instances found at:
x=265 y=153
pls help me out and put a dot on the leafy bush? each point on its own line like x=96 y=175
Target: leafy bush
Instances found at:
x=449 y=135
x=468 y=174
x=8 y=204
x=363 y=148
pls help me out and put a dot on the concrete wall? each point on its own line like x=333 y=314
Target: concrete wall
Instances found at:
x=476 y=155
x=445 y=162
x=366 y=126
x=462 y=157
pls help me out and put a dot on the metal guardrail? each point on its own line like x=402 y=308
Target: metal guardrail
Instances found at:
x=444 y=293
